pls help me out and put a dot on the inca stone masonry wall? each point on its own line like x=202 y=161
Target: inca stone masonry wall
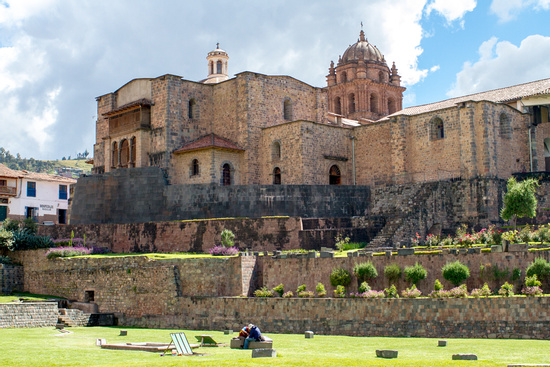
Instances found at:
x=190 y=294
x=11 y=278
x=35 y=314
x=143 y=195
x=435 y=318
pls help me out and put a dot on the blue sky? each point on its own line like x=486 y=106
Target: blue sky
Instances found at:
x=56 y=56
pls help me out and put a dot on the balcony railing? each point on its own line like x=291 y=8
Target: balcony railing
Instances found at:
x=7 y=190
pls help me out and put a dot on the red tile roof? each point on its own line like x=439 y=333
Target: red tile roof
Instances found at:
x=209 y=141
x=502 y=95
x=8 y=172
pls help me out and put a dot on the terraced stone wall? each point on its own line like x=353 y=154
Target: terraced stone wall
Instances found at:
x=35 y=314
x=11 y=278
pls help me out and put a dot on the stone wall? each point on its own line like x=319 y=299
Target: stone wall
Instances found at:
x=185 y=236
x=143 y=195
x=525 y=318
x=11 y=278
x=32 y=314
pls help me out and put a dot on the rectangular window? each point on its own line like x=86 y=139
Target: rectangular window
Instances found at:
x=3 y=183
x=31 y=189
x=62 y=192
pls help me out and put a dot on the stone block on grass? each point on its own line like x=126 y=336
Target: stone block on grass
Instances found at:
x=309 y=334
x=441 y=343
x=123 y=332
x=405 y=251
x=326 y=254
x=386 y=353
x=264 y=352
x=228 y=332
x=464 y=357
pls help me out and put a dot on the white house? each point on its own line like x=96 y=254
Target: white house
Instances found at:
x=40 y=196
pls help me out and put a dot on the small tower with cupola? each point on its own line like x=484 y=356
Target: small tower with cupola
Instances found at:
x=217 y=66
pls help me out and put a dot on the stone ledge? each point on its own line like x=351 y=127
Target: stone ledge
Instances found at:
x=386 y=353
x=464 y=357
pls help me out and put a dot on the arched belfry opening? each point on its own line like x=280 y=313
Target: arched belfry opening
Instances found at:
x=335 y=178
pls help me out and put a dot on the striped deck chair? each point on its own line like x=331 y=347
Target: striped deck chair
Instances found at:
x=180 y=342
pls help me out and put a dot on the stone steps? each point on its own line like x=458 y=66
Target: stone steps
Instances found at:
x=73 y=317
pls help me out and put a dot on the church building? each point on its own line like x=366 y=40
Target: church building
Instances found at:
x=256 y=129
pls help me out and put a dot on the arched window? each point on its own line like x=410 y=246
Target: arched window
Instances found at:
x=351 y=103
x=343 y=77
x=437 y=129
x=211 y=67
x=391 y=106
x=505 y=128
x=124 y=153
x=115 y=155
x=334 y=175
x=337 y=105
x=226 y=175
x=374 y=103
x=133 y=150
x=381 y=77
x=287 y=109
x=195 y=167
x=192 y=109
x=219 y=67
x=276 y=151
x=276 y=176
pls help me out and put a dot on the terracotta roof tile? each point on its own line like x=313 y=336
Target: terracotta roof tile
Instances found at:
x=209 y=141
x=8 y=172
x=501 y=95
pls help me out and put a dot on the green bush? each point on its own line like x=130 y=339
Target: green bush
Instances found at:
x=506 y=290
x=320 y=289
x=227 y=238
x=263 y=292
x=540 y=267
x=340 y=291
x=340 y=276
x=365 y=271
x=391 y=292
x=364 y=287
x=532 y=281
x=455 y=272
x=437 y=285
x=392 y=272
x=279 y=290
x=416 y=273
x=301 y=288
x=516 y=274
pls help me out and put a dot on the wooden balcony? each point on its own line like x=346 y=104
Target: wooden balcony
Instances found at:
x=7 y=190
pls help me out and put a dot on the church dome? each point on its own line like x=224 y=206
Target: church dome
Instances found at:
x=362 y=50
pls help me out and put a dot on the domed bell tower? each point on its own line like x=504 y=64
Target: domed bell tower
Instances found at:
x=362 y=86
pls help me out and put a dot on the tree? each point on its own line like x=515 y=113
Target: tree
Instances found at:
x=520 y=200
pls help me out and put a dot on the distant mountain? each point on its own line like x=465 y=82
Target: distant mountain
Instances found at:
x=64 y=167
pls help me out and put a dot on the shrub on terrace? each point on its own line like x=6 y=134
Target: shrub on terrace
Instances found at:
x=392 y=272
x=415 y=273
x=455 y=272
x=279 y=290
x=365 y=271
x=340 y=276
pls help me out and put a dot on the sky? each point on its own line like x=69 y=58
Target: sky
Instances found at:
x=57 y=56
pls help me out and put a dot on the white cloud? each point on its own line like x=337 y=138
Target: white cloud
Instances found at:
x=434 y=68
x=507 y=10
x=451 y=10
x=503 y=64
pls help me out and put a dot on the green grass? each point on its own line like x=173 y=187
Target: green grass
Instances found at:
x=48 y=347
x=158 y=256
x=25 y=296
x=74 y=163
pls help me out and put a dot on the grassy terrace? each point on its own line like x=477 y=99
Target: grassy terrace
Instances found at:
x=48 y=347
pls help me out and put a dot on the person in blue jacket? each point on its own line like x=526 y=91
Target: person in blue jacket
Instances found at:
x=255 y=334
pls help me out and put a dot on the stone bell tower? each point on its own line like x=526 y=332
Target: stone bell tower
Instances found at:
x=217 y=66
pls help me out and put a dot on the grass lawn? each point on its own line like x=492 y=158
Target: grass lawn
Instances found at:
x=25 y=296
x=48 y=347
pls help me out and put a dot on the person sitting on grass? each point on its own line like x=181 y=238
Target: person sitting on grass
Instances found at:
x=254 y=335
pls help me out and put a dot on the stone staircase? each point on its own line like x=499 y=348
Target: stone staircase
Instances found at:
x=402 y=206
x=322 y=232
x=73 y=317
